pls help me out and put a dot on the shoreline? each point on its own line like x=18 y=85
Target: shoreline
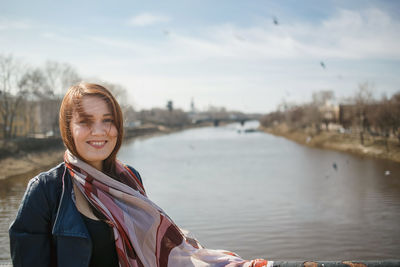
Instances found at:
x=37 y=161
x=374 y=147
x=30 y=162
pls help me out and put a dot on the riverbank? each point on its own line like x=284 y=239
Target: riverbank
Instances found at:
x=345 y=142
x=30 y=162
x=35 y=161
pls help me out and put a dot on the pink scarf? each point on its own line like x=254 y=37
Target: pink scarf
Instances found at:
x=144 y=234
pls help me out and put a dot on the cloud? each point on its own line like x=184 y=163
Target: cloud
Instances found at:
x=12 y=24
x=364 y=34
x=231 y=50
x=369 y=33
x=261 y=60
x=348 y=35
x=146 y=19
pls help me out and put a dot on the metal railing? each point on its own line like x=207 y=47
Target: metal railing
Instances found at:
x=358 y=263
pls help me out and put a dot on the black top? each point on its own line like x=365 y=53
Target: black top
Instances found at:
x=103 y=243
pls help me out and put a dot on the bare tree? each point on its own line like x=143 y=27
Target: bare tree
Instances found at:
x=385 y=119
x=35 y=82
x=322 y=97
x=364 y=94
x=396 y=114
x=43 y=100
x=60 y=76
x=314 y=116
x=362 y=99
x=12 y=93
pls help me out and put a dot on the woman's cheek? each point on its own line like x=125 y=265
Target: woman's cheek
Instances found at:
x=74 y=132
x=113 y=132
x=77 y=131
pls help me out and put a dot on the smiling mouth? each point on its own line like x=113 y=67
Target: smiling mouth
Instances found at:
x=97 y=144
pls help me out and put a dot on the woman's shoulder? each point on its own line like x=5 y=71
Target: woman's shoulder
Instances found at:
x=135 y=172
x=41 y=196
x=51 y=176
x=48 y=182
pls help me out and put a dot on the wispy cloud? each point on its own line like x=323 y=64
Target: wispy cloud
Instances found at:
x=365 y=34
x=263 y=55
x=207 y=61
x=229 y=49
x=14 y=24
x=146 y=19
x=370 y=33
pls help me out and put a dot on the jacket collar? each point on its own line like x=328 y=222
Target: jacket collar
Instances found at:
x=68 y=220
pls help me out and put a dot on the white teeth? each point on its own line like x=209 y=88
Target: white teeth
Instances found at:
x=97 y=143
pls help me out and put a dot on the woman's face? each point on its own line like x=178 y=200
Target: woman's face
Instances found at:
x=94 y=132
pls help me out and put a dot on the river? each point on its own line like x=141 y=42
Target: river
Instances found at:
x=260 y=195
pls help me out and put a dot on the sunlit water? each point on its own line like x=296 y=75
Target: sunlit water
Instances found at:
x=261 y=195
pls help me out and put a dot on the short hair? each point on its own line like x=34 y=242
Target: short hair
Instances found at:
x=72 y=103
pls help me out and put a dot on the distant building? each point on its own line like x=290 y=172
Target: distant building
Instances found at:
x=46 y=112
x=329 y=112
x=16 y=123
x=20 y=127
x=34 y=118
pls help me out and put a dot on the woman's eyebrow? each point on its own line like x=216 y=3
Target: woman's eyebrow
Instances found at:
x=85 y=115
x=107 y=114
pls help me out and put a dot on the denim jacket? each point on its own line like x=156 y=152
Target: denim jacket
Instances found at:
x=48 y=229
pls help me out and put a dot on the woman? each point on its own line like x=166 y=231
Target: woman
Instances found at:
x=91 y=210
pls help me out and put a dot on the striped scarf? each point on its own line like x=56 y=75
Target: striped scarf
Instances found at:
x=144 y=234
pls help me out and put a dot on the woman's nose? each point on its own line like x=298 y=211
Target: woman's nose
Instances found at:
x=98 y=128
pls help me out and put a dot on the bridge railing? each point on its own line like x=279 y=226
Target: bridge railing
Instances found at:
x=358 y=263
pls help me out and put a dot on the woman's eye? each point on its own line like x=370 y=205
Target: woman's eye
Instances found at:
x=108 y=120
x=85 y=122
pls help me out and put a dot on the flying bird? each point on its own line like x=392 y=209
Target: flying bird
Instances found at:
x=334 y=165
x=275 y=21
x=322 y=64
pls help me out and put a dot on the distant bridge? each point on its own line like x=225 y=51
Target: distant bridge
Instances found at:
x=216 y=120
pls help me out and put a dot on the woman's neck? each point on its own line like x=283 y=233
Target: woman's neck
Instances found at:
x=98 y=165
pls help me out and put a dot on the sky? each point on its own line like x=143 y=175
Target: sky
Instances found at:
x=242 y=55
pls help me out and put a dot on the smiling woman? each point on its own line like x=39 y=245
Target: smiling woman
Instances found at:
x=91 y=124
x=93 y=131
x=92 y=210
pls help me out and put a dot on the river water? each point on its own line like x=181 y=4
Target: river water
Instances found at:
x=260 y=195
